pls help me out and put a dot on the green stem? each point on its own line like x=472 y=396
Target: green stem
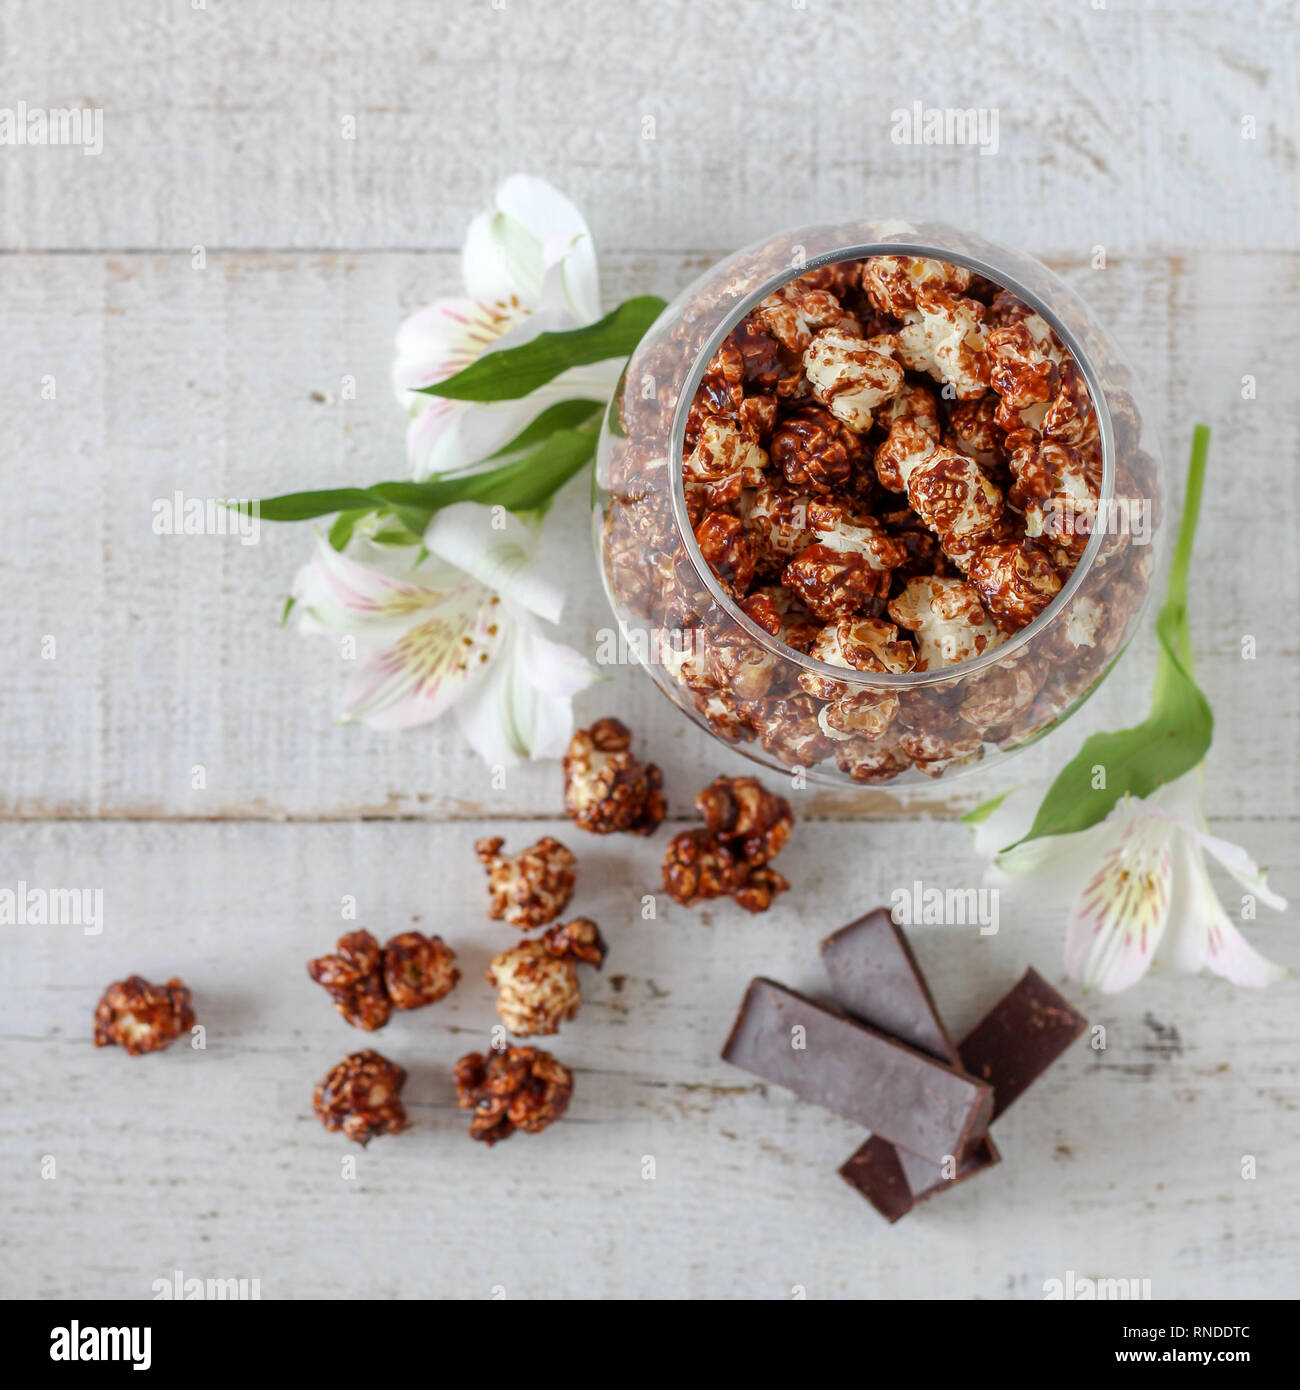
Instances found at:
x=1176 y=597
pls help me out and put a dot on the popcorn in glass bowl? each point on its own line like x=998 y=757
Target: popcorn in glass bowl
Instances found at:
x=875 y=500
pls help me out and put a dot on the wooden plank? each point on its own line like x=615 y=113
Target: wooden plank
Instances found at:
x=237 y=124
x=1124 y=1163
x=228 y=381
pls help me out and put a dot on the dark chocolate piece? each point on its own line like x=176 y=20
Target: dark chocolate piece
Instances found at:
x=894 y=1181
x=1020 y=1037
x=877 y=979
x=873 y=1168
x=1024 y=1033
x=891 y=1089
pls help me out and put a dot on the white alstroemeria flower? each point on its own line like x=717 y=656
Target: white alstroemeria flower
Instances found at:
x=458 y=631
x=529 y=267
x=1137 y=887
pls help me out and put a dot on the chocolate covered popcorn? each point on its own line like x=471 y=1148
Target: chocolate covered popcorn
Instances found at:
x=892 y=440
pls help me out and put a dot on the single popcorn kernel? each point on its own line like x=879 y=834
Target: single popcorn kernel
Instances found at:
x=537 y=981
x=360 y=1097
x=354 y=979
x=530 y=888
x=581 y=939
x=814 y=450
x=760 y=886
x=418 y=970
x=697 y=865
x=606 y=788
x=745 y=826
x=536 y=990
x=753 y=821
x=522 y=1088
x=142 y=1017
x=1016 y=580
x=948 y=619
x=850 y=377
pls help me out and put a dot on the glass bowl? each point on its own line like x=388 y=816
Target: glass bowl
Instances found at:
x=741 y=672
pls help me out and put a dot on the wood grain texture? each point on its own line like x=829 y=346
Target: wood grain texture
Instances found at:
x=1121 y=1163
x=225 y=124
x=229 y=382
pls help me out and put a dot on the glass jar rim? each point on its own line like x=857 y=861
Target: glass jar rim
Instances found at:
x=910 y=680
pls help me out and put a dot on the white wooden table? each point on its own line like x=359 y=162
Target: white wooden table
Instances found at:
x=224 y=129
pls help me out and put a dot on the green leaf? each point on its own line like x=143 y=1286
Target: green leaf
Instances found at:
x=287 y=609
x=513 y=372
x=302 y=506
x=612 y=421
x=562 y=415
x=341 y=531
x=985 y=809
x=397 y=534
x=1174 y=737
x=525 y=485
x=521 y=486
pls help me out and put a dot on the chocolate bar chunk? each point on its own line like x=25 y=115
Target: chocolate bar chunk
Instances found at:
x=891 y=1089
x=1025 y=1032
x=1021 y=1036
x=894 y=1181
x=876 y=977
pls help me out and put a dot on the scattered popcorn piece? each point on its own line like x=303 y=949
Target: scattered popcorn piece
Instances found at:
x=607 y=788
x=697 y=865
x=537 y=981
x=418 y=969
x=536 y=990
x=142 y=1017
x=530 y=888
x=355 y=981
x=580 y=939
x=754 y=822
x=360 y=1097
x=760 y=887
x=522 y=1088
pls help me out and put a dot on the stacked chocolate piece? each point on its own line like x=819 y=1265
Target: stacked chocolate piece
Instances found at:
x=892 y=1066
